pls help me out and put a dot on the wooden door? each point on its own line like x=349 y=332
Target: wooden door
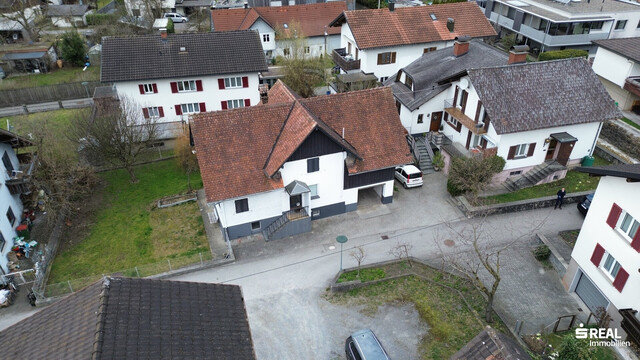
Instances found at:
x=564 y=152
x=436 y=120
x=552 y=149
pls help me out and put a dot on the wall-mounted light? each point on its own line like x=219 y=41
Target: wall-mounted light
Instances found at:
x=547 y=140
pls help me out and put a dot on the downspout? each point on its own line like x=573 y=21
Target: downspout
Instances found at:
x=211 y=9
x=595 y=140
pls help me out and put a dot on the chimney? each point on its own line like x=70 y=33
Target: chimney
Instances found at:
x=450 y=24
x=246 y=5
x=518 y=54
x=392 y=5
x=163 y=34
x=461 y=45
x=213 y=7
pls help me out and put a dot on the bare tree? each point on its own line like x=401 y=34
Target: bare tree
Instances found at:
x=118 y=133
x=480 y=258
x=185 y=157
x=402 y=250
x=474 y=174
x=358 y=254
x=28 y=15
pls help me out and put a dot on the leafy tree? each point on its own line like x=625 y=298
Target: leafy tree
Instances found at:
x=474 y=174
x=508 y=41
x=185 y=157
x=575 y=349
x=563 y=54
x=72 y=48
x=171 y=29
x=302 y=72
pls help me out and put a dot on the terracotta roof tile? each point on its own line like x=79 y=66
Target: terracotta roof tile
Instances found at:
x=413 y=25
x=234 y=146
x=281 y=93
x=312 y=18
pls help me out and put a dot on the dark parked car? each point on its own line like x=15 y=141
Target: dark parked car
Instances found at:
x=583 y=206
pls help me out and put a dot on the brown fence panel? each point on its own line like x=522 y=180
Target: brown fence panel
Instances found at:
x=50 y=93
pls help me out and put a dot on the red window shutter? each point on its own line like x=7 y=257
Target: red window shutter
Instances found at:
x=532 y=148
x=635 y=243
x=221 y=84
x=247 y=103
x=512 y=152
x=160 y=111
x=145 y=113
x=178 y=109
x=155 y=88
x=141 y=88
x=203 y=108
x=478 y=107
x=223 y=104
x=621 y=279
x=598 y=253
x=455 y=97
x=468 y=140
x=245 y=81
x=463 y=106
x=174 y=87
x=614 y=214
x=199 y=85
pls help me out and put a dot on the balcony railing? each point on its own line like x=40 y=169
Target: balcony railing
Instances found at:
x=632 y=85
x=456 y=113
x=18 y=182
x=344 y=60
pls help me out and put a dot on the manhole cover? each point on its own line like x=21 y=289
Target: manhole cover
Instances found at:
x=384 y=237
x=449 y=242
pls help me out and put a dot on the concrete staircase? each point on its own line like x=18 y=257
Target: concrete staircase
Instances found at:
x=290 y=223
x=532 y=176
x=425 y=164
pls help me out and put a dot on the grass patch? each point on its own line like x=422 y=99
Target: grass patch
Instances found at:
x=58 y=76
x=57 y=121
x=128 y=232
x=570 y=237
x=574 y=182
x=451 y=323
x=630 y=123
x=365 y=275
x=103 y=3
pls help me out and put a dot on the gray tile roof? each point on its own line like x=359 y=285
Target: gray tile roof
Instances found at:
x=434 y=66
x=67 y=10
x=542 y=95
x=627 y=47
x=149 y=57
x=629 y=171
x=125 y=318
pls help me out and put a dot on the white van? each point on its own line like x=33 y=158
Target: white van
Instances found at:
x=409 y=176
x=177 y=18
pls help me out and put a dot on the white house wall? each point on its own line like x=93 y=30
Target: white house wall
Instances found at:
x=612 y=66
x=264 y=29
x=7 y=200
x=211 y=95
x=329 y=178
x=261 y=206
x=410 y=119
x=595 y=230
x=405 y=55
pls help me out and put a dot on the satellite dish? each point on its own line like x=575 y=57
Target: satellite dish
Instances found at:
x=464 y=83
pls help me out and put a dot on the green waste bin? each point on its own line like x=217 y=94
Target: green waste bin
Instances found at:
x=588 y=161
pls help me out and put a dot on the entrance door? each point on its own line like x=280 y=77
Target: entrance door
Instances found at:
x=552 y=149
x=564 y=152
x=590 y=295
x=295 y=202
x=436 y=119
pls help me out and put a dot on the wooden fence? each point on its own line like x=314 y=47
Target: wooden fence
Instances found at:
x=50 y=93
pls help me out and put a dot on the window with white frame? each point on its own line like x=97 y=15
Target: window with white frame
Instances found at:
x=148 y=88
x=186 y=86
x=451 y=120
x=628 y=225
x=307 y=50
x=610 y=265
x=521 y=150
x=191 y=108
x=621 y=24
x=153 y=111
x=314 y=191
x=266 y=38
x=233 y=104
x=233 y=82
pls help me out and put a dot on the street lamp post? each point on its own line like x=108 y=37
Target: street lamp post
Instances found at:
x=341 y=239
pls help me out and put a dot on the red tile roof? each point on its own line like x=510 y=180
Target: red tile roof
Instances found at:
x=238 y=149
x=281 y=93
x=413 y=25
x=312 y=18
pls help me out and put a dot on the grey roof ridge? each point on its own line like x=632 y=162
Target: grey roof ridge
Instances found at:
x=532 y=63
x=102 y=310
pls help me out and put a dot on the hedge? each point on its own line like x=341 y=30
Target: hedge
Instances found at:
x=101 y=19
x=563 y=54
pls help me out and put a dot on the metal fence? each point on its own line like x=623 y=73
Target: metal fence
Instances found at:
x=196 y=261
x=49 y=93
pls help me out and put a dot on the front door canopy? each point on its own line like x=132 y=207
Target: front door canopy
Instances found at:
x=297 y=187
x=564 y=137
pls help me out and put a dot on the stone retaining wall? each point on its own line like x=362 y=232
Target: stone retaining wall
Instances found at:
x=521 y=205
x=557 y=260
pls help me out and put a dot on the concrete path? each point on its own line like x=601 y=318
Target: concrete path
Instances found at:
x=49 y=106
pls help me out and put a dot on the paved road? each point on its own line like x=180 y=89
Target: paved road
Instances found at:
x=50 y=106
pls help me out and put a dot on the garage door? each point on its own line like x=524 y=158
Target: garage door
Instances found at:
x=590 y=294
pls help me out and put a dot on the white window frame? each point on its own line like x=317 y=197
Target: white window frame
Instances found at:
x=154 y=112
x=632 y=223
x=266 y=38
x=621 y=21
x=233 y=82
x=314 y=191
x=521 y=151
x=190 y=108
x=148 y=88
x=235 y=104
x=307 y=49
x=187 y=86
x=453 y=121
x=610 y=266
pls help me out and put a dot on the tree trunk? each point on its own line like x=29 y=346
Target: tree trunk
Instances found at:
x=132 y=176
x=488 y=316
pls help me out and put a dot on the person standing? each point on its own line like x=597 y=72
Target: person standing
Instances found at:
x=560 y=199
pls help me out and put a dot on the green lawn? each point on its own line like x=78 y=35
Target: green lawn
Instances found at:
x=56 y=121
x=64 y=75
x=451 y=324
x=631 y=123
x=128 y=231
x=574 y=182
